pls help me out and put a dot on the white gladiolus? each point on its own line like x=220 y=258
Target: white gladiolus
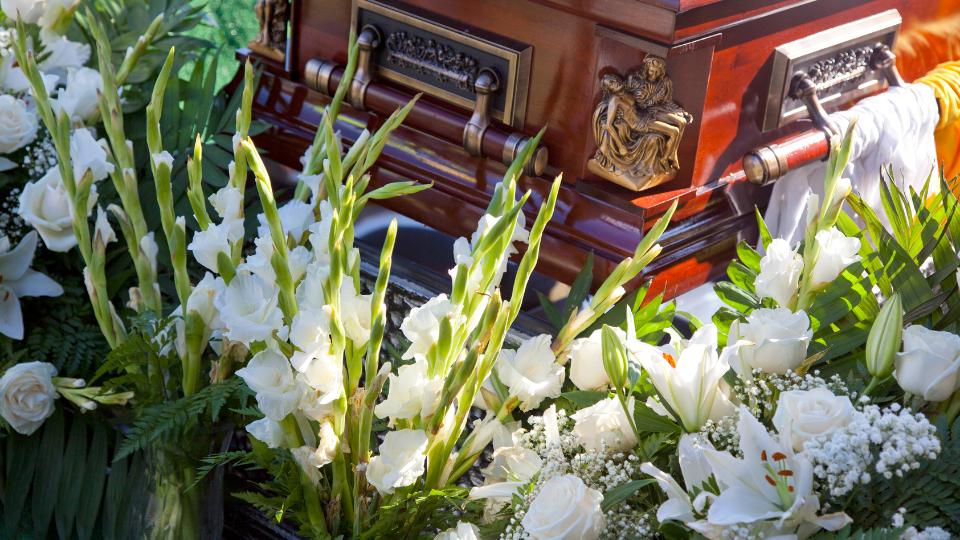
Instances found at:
x=228 y=202
x=401 y=461
x=355 y=313
x=604 y=425
x=804 y=414
x=565 y=508
x=309 y=292
x=835 y=252
x=249 y=309
x=531 y=372
x=80 y=99
x=412 y=392
x=29 y=11
x=295 y=217
x=62 y=54
x=201 y=300
x=56 y=13
x=46 y=206
x=779 y=276
x=267 y=431
x=688 y=376
x=463 y=531
x=90 y=154
x=27 y=395
x=208 y=244
x=18 y=124
x=929 y=365
x=511 y=462
x=269 y=375
x=422 y=325
x=772 y=340
x=103 y=233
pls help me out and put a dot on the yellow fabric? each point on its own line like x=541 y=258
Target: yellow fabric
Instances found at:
x=945 y=82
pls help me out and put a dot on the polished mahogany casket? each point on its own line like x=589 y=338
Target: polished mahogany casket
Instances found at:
x=645 y=102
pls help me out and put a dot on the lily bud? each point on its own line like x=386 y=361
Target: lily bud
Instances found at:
x=614 y=358
x=884 y=338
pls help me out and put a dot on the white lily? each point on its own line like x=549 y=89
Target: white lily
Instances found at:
x=769 y=483
x=688 y=376
x=18 y=280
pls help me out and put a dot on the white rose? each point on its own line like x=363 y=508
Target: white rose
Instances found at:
x=18 y=124
x=267 y=431
x=772 y=340
x=411 y=393
x=422 y=325
x=208 y=244
x=249 y=309
x=269 y=375
x=779 y=276
x=355 y=313
x=835 y=252
x=79 y=99
x=27 y=395
x=401 y=461
x=929 y=363
x=46 y=206
x=605 y=425
x=29 y=11
x=531 y=372
x=804 y=414
x=463 y=531
x=565 y=508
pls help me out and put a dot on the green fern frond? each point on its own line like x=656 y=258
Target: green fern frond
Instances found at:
x=170 y=420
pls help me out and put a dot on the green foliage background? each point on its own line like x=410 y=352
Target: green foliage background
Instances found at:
x=230 y=24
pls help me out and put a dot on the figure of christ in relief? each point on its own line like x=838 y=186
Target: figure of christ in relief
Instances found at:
x=637 y=125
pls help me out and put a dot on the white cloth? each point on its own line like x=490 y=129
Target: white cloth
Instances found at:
x=894 y=128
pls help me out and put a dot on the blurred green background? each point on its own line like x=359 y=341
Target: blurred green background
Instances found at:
x=230 y=24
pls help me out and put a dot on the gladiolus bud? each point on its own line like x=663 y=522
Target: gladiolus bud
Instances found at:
x=614 y=358
x=884 y=338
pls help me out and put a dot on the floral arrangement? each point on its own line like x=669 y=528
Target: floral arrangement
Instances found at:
x=821 y=402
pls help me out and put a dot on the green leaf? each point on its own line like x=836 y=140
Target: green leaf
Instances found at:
x=623 y=492
x=46 y=481
x=765 y=236
x=648 y=421
x=95 y=473
x=748 y=256
x=583 y=398
x=22 y=453
x=580 y=289
x=736 y=297
x=71 y=478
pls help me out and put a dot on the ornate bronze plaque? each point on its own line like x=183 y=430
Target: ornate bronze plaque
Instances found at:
x=638 y=127
x=271 y=39
x=443 y=58
x=838 y=60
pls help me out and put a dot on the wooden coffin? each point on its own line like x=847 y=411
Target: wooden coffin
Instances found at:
x=644 y=102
